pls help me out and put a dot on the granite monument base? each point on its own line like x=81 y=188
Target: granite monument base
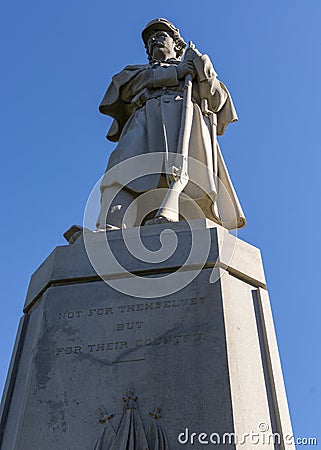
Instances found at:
x=97 y=368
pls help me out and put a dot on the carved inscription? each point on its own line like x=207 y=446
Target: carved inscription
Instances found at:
x=173 y=339
x=175 y=303
x=68 y=350
x=113 y=316
x=129 y=326
x=99 y=311
x=169 y=339
x=70 y=314
x=108 y=346
x=136 y=307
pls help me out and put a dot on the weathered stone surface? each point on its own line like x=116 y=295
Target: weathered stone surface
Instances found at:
x=205 y=355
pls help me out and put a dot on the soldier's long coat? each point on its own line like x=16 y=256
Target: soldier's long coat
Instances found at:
x=145 y=102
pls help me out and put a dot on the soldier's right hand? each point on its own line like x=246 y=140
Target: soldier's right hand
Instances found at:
x=184 y=68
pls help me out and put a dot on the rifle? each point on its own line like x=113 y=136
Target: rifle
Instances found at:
x=169 y=209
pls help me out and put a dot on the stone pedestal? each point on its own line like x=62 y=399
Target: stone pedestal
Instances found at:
x=97 y=368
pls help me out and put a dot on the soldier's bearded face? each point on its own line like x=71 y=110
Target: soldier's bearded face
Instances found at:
x=161 y=46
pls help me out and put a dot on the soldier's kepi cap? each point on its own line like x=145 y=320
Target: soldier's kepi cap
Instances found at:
x=159 y=25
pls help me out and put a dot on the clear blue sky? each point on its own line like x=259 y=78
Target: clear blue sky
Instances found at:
x=56 y=61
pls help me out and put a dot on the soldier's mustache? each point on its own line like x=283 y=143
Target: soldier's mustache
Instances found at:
x=158 y=43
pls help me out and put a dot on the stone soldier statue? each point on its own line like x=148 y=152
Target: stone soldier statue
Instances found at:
x=146 y=103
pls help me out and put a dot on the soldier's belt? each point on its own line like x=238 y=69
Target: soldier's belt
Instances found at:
x=142 y=97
